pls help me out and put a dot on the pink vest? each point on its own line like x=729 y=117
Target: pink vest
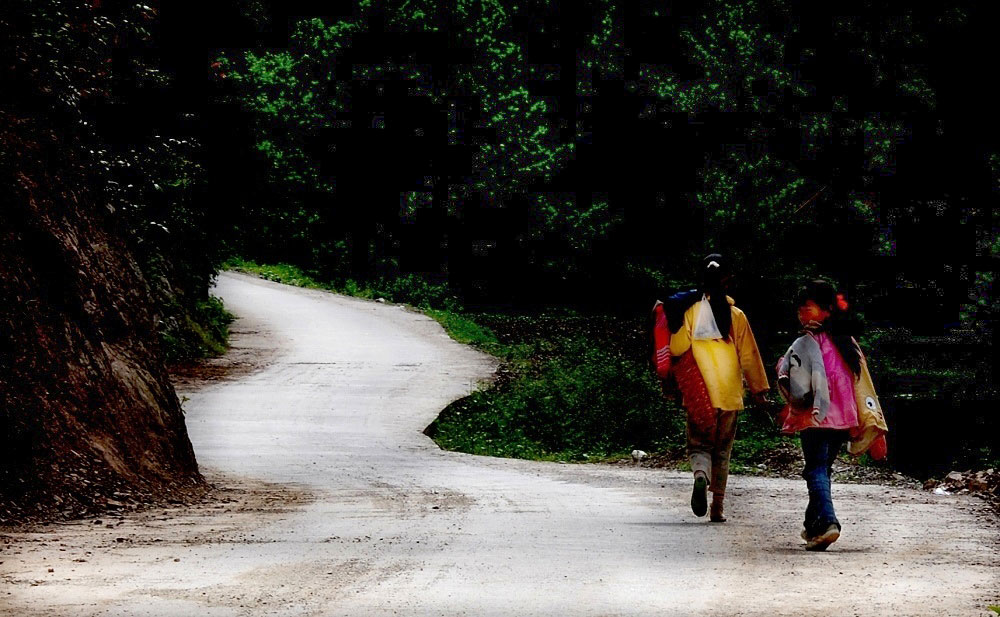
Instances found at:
x=843 y=412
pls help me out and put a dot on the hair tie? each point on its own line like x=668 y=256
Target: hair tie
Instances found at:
x=841 y=302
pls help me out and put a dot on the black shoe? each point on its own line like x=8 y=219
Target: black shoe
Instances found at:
x=699 y=497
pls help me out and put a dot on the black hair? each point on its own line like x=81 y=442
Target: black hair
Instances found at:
x=841 y=325
x=713 y=274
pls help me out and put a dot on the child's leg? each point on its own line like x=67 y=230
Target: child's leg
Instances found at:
x=836 y=442
x=816 y=447
x=724 y=436
x=699 y=451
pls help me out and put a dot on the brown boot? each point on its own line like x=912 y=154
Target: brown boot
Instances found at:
x=716 y=515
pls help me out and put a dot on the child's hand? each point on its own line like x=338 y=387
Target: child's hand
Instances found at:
x=815 y=418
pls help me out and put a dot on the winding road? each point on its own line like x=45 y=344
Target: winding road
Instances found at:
x=359 y=513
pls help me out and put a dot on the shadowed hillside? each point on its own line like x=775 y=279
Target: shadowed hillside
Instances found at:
x=87 y=414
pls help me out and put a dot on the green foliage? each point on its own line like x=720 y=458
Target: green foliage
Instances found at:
x=279 y=273
x=409 y=289
x=467 y=331
x=736 y=51
x=527 y=146
x=65 y=56
x=759 y=195
x=417 y=291
x=580 y=225
x=60 y=49
x=576 y=396
x=753 y=57
x=294 y=96
x=953 y=373
x=945 y=368
x=200 y=333
x=583 y=403
x=756 y=437
x=746 y=64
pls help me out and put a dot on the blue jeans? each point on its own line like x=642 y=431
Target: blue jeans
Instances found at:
x=820 y=448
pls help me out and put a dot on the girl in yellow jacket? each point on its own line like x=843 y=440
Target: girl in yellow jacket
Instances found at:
x=718 y=336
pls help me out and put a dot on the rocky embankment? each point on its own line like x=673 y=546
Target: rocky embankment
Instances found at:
x=88 y=418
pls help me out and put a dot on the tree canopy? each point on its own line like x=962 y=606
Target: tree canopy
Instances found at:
x=522 y=149
x=542 y=134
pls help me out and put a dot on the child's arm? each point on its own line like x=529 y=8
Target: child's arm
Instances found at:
x=820 y=385
x=783 y=380
x=749 y=355
x=797 y=372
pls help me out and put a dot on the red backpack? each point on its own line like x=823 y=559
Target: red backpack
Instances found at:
x=661 y=341
x=689 y=380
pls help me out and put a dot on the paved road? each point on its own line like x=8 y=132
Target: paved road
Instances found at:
x=366 y=516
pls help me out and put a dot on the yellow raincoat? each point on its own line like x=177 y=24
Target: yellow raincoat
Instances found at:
x=723 y=365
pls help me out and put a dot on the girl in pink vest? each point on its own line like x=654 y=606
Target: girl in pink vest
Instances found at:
x=831 y=358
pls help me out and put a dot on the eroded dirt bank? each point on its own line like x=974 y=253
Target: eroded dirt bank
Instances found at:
x=87 y=413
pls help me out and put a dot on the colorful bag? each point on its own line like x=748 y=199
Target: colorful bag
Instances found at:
x=661 y=341
x=869 y=434
x=702 y=415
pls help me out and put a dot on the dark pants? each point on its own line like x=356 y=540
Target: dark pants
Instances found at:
x=820 y=448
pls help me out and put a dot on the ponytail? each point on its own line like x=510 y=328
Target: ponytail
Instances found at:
x=712 y=286
x=842 y=328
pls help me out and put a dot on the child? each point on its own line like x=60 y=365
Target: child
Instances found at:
x=820 y=376
x=716 y=350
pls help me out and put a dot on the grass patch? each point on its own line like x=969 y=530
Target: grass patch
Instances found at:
x=466 y=331
x=409 y=289
x=580 y=389
x=201 y=332
x=279 y=273
x=581 y=403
